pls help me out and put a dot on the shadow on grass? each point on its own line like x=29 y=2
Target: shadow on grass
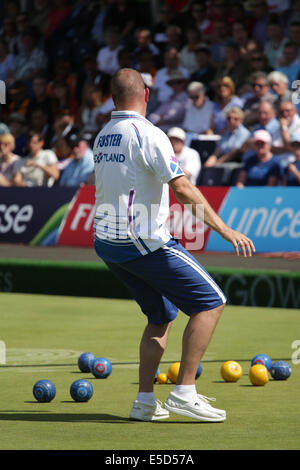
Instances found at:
x=62 y=417
x=37 y=416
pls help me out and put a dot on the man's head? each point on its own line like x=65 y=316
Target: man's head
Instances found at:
x=79 y=145
x=129 y=91
x=279 y=82
x=177 y=138
x=262 y=142
x=260 y=84
x=287 y=110
x=196 y=92
x=266 y=112
x=36 y=143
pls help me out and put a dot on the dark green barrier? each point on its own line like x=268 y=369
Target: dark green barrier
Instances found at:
x=242 y=287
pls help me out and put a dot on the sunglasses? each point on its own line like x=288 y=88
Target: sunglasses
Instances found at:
x=194 y=97
x=259 y=85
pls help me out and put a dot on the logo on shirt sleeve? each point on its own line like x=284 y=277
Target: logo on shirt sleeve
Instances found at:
x=175 y=167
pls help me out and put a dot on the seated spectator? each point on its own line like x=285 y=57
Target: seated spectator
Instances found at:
x=188 y=51
x=219 y=39
x=9 y=34
x=107 y=57
x=258 y=62
x=261 y=168
x=240 y=35
x=261 y=92
x=62 y=98
x=7 y=61
x=225 y=99
x=40 y=166
x=294 y=33
x=279 y=84
x=228 y=147
x=174 y=37
x=199 y=111
x=171 y=65
x=276 y=40
x=39 y=123
x=92 y=101
x=31 y=61
x=188 y=158
x=89 y=74
x=18 y=128
x=146 y=63
x=201 y=19
x=40 y=15
x=40 y=97
x=171 y=113
x=234 y=66
x=17 y=98
x=289 y=125
x=261 y=17
x=166 y=16
x=289 y=63
x=81 y=167
x=122 y=15
x=205 y=72
x=267 y=120
x=9 y=162
x=144 y=42
x=291 y=175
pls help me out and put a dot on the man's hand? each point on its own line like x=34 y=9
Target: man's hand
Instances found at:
x=239 y=241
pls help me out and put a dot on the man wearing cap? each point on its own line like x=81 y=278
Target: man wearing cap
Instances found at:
x=171 y=112
x=81 y=167
x=262 y=168
x=188 y=158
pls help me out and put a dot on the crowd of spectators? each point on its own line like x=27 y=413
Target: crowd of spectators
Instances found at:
x=222 y=71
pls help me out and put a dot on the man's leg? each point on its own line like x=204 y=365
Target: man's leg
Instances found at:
x=184 y=399
x=152 y=346
x=196 y=338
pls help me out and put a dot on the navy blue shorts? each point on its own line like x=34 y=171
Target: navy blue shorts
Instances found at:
x=167 y=280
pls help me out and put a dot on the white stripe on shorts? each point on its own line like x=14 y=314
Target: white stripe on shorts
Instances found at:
x=198 y=268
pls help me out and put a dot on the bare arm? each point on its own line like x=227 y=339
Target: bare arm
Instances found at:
x=186 y=193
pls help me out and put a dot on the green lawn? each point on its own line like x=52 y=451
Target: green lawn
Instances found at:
x=44 y=336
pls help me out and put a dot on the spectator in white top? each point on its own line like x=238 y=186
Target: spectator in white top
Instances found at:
x=7 y=60
x=171 y=113
x=279 y=84
x=200 y=110
x=107 y=57
x=9 y=162
x=188 y=158
x=31 y=61
x=171 y=64
x=40 y=167
x=289 y=120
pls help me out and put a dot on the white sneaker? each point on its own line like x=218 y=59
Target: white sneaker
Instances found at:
x=145 y=412
x=199 y=408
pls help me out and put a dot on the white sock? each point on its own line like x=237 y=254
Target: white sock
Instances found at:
x=146 y=397
x=186 y=392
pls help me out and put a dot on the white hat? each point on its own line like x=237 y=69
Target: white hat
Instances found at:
x=262 y=136
x=177 y=132
x=148 y=80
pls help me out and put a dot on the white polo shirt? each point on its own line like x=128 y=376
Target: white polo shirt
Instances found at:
x=134 y=161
